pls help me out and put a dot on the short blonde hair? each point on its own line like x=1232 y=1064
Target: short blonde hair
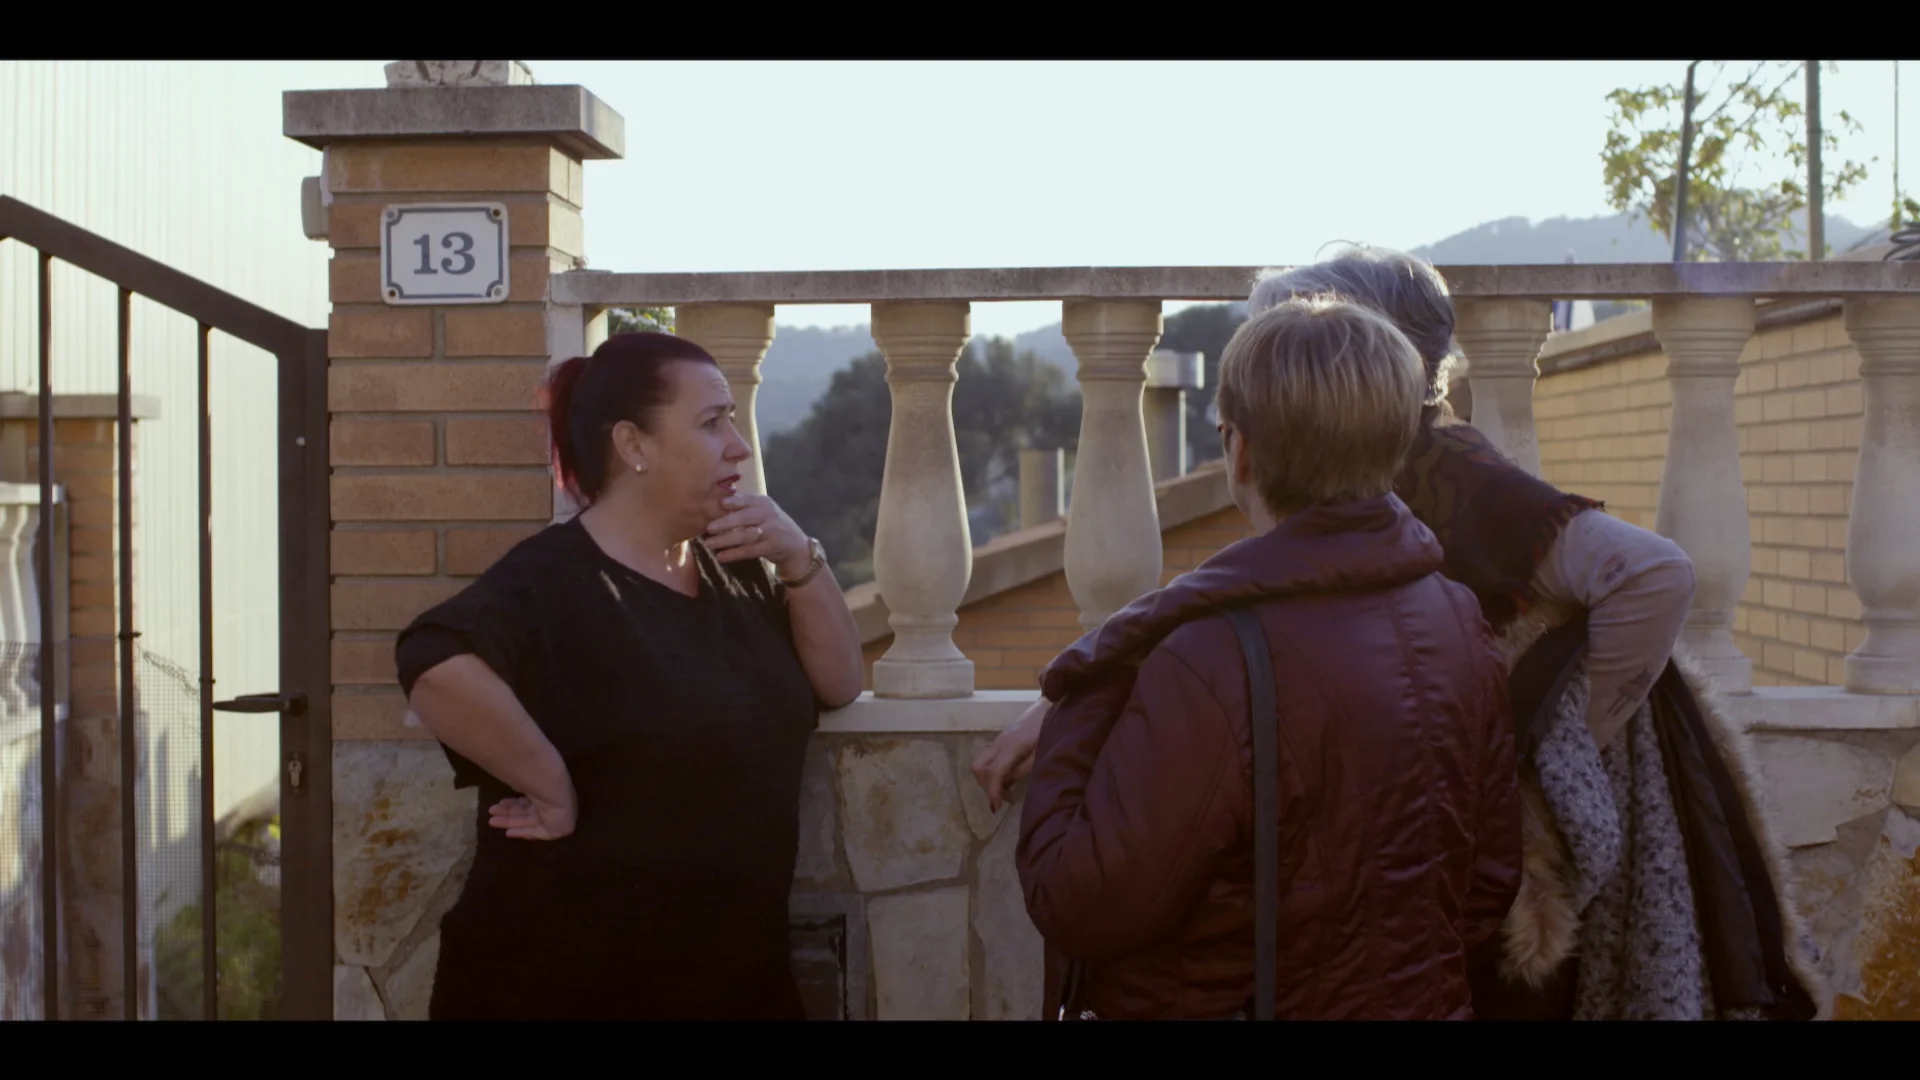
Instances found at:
x=1327 y=395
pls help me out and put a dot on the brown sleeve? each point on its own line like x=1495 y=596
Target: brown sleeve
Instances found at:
x=1637 y=587
x=1131 y=801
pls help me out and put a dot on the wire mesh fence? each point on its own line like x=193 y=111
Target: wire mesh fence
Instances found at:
x=169 y=859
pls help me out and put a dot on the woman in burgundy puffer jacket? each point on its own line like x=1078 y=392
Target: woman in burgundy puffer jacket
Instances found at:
x=1399 y=835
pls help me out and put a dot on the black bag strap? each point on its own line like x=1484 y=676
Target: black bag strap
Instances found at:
x=1265 y=722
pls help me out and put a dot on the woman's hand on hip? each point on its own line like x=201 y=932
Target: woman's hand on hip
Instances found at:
x=526 y=818
x=756 y=528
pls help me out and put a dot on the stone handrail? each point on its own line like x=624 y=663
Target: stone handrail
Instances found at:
x=1703 y=315
x=1590 y=281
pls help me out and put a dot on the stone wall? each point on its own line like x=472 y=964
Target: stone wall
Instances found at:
x=895 y=827
x=906 y=905
x=402 y=842
x=1885 y=950
x=1852 y=831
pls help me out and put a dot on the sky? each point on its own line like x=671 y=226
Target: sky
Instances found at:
x=842 y=165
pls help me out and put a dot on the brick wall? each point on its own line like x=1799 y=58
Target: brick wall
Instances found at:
x=86 y=464
x=439 y=461
x=1798 y=406
x=1011 y=636
x=85 y=459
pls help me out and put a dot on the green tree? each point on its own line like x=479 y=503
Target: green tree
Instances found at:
x=827 y=471
x=1005 y=403
x=247 y=914
x=1906 y=212
x=1746 y=126
x=1205 y=330
x=634 y=320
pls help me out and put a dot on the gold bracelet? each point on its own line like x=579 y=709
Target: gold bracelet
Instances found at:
x=818 y=563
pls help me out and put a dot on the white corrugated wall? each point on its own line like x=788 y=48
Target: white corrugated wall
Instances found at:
x=184 y=162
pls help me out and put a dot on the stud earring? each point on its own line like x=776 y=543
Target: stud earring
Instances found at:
x=640 y=467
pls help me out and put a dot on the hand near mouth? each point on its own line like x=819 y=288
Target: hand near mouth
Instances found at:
x=756 y=528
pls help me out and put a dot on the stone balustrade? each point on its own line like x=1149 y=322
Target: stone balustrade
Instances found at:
x=1703 y=318
x=22 y=924
x=897 y=837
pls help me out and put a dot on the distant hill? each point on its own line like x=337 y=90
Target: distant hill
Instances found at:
x=799 y=366
x=1049 y=344
x=801 y=362
x=802 y=359
x=1615 y=239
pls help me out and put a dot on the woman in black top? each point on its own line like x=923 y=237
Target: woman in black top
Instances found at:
x=632 y=692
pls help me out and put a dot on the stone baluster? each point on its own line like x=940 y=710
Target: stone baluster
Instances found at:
x=737 y=335
x=1169 y=376
x=1883 y=536
x=19 y=610
x=922 y=547
x=1113 y=523
x=1703 y=499
x=1502 y=340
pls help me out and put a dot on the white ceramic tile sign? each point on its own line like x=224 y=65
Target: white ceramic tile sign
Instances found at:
x=444 y=253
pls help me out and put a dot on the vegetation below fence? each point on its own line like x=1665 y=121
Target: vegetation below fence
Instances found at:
x=247 y=916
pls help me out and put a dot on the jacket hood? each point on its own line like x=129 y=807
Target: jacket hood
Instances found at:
x=1356 y=546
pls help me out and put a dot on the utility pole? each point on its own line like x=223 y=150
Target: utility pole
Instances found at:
x=1816 y=197
x=1686 y=161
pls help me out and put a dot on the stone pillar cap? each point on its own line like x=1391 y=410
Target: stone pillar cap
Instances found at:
x=427 y=99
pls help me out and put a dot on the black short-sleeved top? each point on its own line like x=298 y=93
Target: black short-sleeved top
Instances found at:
x=683 y=722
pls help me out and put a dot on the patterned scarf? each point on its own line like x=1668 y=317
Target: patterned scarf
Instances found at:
x=1681 y=909
x=1495 y=520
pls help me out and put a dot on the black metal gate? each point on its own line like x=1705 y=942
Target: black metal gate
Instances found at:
x=33 y=947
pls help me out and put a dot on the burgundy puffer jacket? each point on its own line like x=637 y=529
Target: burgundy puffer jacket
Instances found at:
x=1400 y=813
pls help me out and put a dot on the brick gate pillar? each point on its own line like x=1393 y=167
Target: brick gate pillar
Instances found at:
x=438 y=458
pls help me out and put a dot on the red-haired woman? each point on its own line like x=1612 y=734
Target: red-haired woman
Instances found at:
x=632 y=691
